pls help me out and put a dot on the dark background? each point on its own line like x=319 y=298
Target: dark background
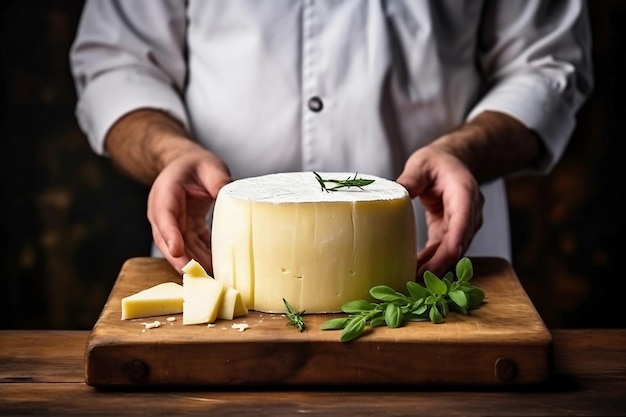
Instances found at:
x=69 y=220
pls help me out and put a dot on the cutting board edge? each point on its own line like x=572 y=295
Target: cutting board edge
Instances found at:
x=137 y=365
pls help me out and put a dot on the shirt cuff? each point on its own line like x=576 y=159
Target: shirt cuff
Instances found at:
x=539 y=106
x=112 y=95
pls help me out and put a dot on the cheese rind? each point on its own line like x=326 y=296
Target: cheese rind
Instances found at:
x=279 y=236
x=161 y=299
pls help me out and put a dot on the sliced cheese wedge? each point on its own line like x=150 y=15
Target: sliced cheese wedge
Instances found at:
x=194 y=269
x=280 y=236
x=232 y=305
x=161 y=299
x=202 y=297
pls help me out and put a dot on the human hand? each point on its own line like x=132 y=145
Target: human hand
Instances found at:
x=178 y=203
x=453 y=202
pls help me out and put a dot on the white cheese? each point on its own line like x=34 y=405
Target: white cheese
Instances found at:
x=194 y=269
x=202 y=298
x=240 y=326
x=232 y=305
x=152 y=325
x=280 y=236
x=161 y=299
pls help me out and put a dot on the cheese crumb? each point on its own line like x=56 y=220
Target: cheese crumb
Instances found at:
x=152 y=325
x=171 y=319
x=240 y=326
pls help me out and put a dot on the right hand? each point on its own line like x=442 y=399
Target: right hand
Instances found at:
x=453 y=203
x=178 y=203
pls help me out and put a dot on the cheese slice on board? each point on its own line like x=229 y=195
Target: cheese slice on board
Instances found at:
x=161 y=299
x=232 y=305
x=202 y=298
x=281 y=236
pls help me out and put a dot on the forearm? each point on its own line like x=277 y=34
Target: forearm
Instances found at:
x=493 y=144
x=143 y=142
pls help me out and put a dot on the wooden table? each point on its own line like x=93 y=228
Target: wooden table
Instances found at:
x=42 y=373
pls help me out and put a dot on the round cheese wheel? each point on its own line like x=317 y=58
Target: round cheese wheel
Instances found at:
x=282 y=236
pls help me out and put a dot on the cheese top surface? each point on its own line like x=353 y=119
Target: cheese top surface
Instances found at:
x=303 y=187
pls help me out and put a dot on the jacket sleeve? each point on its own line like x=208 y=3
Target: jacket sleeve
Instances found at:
x=536 y=59
x=128 y=55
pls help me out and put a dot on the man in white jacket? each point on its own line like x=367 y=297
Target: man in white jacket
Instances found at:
x=445 y=97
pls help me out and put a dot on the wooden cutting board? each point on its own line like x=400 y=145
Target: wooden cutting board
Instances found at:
x=503 y=343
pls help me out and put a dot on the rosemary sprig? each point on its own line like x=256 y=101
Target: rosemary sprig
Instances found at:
x=348 y=182
x=295 y=318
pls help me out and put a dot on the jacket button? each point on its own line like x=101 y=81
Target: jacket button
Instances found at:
x=315 y=104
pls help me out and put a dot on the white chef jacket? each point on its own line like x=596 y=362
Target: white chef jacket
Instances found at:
x=332 y=85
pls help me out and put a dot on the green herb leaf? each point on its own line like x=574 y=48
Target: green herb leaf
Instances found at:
x=430 y=300
x=417 y=304
x=416 y=291
x=461 y=310
x=354 y=329
x=393 y=316
x=388 y=294
x=448 y=278
x=435 y=315
x=443 y=307
x=420 y=309
x=415 y=317
x=459 y=298
x=434 y=284
x=475 y=297
x=357 y=306
x=336 y=323
x=378 y=321
x=464 y=270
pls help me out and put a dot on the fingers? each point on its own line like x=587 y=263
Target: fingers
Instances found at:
x=440 y=261
x=178 y=204
x=195 y=247
x=451 y=234
x=164 y=214
x=415 y=177
x=453 y=203
x=213 y=174
x=177 y=262
x=198 y=247
x=423 y=257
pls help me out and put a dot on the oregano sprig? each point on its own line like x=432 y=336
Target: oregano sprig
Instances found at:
x=431 y=302
x=347 y=183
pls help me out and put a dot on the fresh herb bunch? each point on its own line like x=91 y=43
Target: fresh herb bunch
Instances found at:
x=349 y=182
x=432 y=302
x=295 y=318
